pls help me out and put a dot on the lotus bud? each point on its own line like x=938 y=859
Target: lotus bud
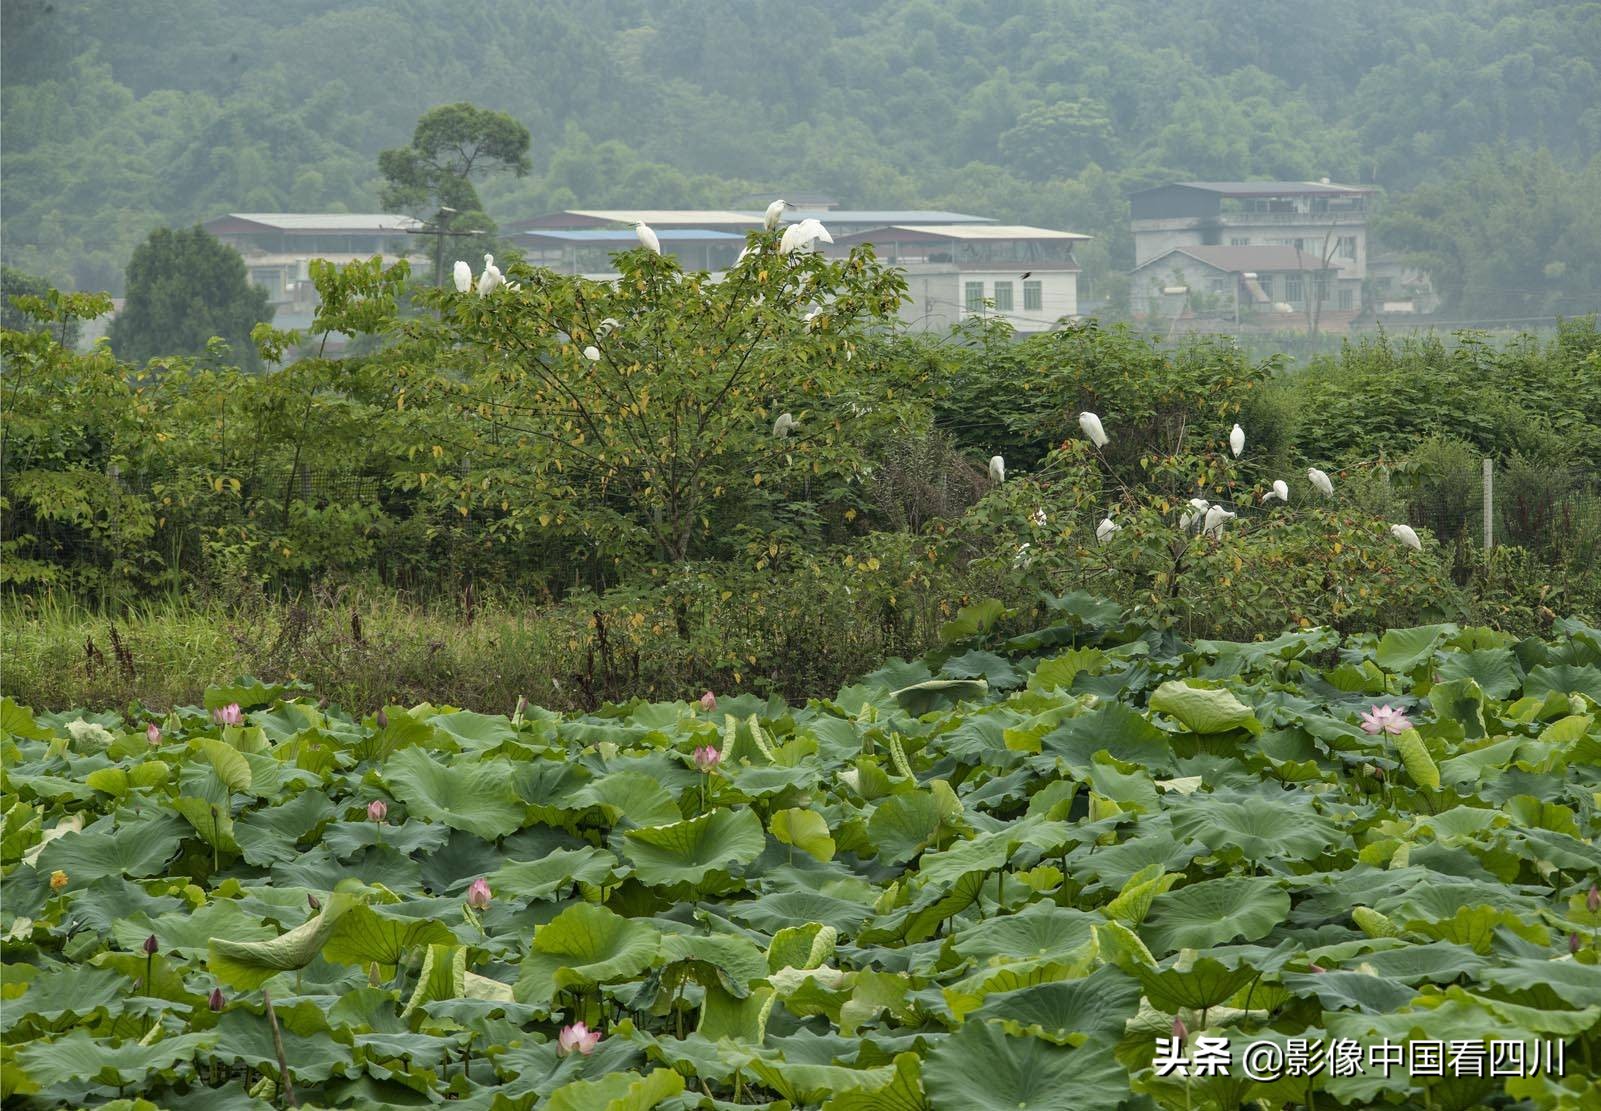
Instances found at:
x=478 y=894
x=313 y=902
x=1180 y=1031
x=153 y=734
x=576 y=1037
x=1593 y=900
x=377 y=811
x=151 y=946
x=708 y=702
x=707 y=758
x=1574 y=943
x=230 y=714
x=215 y=1002
x=382 y=719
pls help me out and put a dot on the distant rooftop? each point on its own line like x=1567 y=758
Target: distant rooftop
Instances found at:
x=324 y=221
x=1262 y=188
x=972 y=231
x=626 y=235
x=801 y=198
x=1235 y=260
x=681 y=217
x=885 y=217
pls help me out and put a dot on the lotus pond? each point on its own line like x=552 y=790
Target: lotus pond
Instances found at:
x=1036 y=871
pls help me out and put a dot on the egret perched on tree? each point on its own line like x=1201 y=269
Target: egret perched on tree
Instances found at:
x=464 y=276
x=997 y=469
x=1091 y=425
x=592 y=353
x=803 y=236
x=490 y=278
x=1280 y=490
x=1320 y=481
x=1237 y=440
x=647 y=238
x=1405 y=535
x=775 y=213
x=1104 y=530
x=1198 y=508
x=784 y=425
x=1216 y=518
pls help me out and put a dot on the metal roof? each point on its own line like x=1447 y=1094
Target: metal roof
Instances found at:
x=977 y=231
x=1263 y=188
x=626 y=235
x=685 y=216
x=327 y=221
x=885 y=217
x=1237 y=259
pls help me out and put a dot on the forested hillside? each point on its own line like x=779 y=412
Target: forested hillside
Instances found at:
x=120 y=118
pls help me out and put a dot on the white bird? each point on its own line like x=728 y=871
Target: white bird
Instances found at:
x=647 y=238
x=1320 y=481
x=1237 y=440
x=464 y=276
x=803 y=236
x=1280 y=490
x=1216 y=518
x=592 y=353
x=775 y=213
x=784 y=425
x=1091 y=425
x=997 y=469
x=490 y=278
x=607 y=326
x=1104 y=531
x=1405 y=535
x=1039 y=518
x=1198 y=508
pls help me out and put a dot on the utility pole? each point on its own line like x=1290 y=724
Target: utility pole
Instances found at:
x=439 y=228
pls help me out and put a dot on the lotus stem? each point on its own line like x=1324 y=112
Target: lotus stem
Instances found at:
x=288 y=1084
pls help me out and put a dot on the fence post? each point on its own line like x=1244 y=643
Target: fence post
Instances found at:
x=1489 y=503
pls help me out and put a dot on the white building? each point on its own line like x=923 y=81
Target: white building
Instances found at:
x=1024 y=275
x=1325 y=221
x=278 y=248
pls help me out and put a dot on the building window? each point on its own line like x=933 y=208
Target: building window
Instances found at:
x=1348 y=246
x=1003 y=296
x=1292 y=288
x=1219 y=286
x=1032 y=301
x=975 y=296
x=1347 y=299
x=1240 y=241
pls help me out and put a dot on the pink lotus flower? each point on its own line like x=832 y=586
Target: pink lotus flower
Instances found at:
x=1180 y=1031
x=153 y=734
x=708 y=702
x=1385 y=719
x=215 y=1002
x=707 y=758
x=478 y=894
x=1592 y=901
x=577 y=1036
x=377 y=811
x=230 y=714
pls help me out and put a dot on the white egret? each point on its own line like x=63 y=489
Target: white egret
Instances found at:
x=1198 y=508
x=607 y=326
x=1405 y=535
x=1320 y=481
x=785 y=424
x=464 y=276
x=1281 y=490
x=1091 y=425
x=1104 y=531
x=1236 y=440
x=1216 y=518
x=592 y=353
x=803 y=236
x=1039 y=518
x=490 y=278
x=647 y=238
x=775 y=213
x=997 y=469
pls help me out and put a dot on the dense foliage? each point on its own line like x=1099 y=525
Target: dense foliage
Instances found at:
x=993 y=877
x=119 y=119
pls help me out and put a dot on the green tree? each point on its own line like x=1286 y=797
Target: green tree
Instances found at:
x=15 y=317
x=1057 y=140
x=184 y=287
x=450 y=144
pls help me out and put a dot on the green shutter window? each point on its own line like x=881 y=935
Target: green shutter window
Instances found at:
x=1032 y=301
x=1003 y=296
x=975 y=296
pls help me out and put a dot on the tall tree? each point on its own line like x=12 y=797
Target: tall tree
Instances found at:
x=184 y=287
x=451 y=144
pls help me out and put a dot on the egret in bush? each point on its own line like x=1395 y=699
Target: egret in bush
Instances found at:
x=1216 y=518
x=647 y=238
x=592 y=353
x=803 y=235
x=1320 y=480
x=1091 y=426
x=464 y=276
x=775 y=213
x=1405 y=535
x=1281 y=490
x=1198 y=508
x=1236 y=440
x=784 y=425
x=1104 y=531
x=490 y=278
x=997 y=469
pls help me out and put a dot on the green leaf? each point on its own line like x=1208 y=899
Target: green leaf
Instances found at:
x=1404 y=649
x=538 y=879
x=982 y=1068
x=807 y=830
x=971 y=620
x=475 y=797
x=79 y=1057
x=366 y=935
x=1212 y=912
x=246 y=965
x=617 y=1091
x=230 y=764
x=1419 y=764
x=582 y=946
x=688 y=851
x=1203 y=709
x=903 y=825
